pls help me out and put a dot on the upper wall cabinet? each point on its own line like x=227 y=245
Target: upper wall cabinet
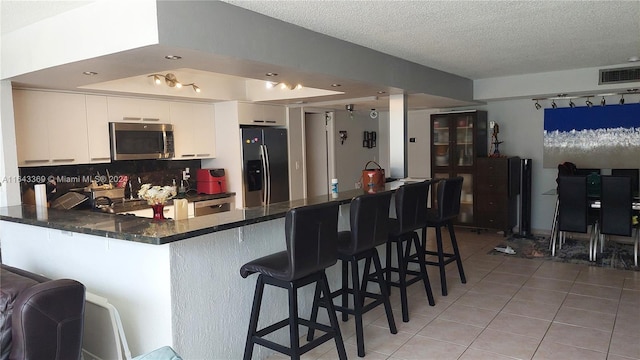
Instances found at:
x=98 y=129
x=51 y=128
x=259 y=114
x=193 y=130
x=131 y=110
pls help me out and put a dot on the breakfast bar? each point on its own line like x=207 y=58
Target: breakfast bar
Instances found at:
x=174 y=283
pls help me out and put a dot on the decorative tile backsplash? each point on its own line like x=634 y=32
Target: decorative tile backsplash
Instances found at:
x=60 y=179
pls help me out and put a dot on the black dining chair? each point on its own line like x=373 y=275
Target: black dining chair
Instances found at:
x=311 y=239
x=573 y=211
x=616 y=201
x=369 y=222
x=411 y=215
x=634 y=174
x=446 y=210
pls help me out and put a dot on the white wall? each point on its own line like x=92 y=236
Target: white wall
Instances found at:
x=228 y=148
x=351 y=157
x=419 y=152
x=134 y=277
x=9 y=186
x=96 y=29
x=296 y=153
x=521 y=129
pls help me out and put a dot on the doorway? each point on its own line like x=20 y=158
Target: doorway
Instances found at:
x=319 y=163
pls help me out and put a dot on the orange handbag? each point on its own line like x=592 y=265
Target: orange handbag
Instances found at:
x=375 y=176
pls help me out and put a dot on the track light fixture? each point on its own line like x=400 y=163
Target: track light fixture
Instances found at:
x=282 y=85
x=172 y=81
x=587 y=97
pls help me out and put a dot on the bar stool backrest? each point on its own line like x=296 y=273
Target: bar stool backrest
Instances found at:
x=615 y=205
x=311 y=236
x=369 y=216
x=572 y=204
x=448 y=193
x=411 y=205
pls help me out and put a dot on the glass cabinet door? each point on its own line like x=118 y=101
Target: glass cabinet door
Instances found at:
x=441 y=145
x=464 y=141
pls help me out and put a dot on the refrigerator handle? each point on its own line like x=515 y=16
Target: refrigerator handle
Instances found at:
x=268 y=174
x=264 y=175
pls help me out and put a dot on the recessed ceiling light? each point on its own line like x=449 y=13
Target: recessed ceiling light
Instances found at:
x=382 y=92
x=632 y=90
x=336 y=85
x=271 y=74
x=89 y=73
x=173 y=57
x=634 y=58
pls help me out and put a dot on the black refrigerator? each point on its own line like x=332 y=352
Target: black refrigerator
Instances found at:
x=265 y=165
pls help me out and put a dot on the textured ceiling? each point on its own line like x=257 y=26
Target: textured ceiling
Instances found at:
x=476 y=39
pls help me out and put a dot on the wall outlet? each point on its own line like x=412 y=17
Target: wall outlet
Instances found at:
x=492 y=124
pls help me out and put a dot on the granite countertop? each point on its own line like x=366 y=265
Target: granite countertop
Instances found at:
x=132 y=228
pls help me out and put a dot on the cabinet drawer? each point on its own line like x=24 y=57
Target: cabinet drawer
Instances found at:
x=493 y=186
x=488 y=167
x=484 y=203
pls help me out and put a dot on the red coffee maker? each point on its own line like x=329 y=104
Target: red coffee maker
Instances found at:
x=211 y=181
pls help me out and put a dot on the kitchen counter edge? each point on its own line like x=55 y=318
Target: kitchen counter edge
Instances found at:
x=143 y=230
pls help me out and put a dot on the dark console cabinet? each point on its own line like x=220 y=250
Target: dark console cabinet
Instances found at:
x=497 y=189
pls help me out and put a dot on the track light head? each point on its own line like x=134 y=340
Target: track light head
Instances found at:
x=537 y=105
x=282 y=85
x=553 y=104
x=589 y=103
x=603 y=102
x=621 y=102
x=171 y=81
x=571 y=104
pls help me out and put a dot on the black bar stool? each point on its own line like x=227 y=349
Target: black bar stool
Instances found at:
x=447 y=208
x=369 y=217
x=411 y=215
x=311 y=237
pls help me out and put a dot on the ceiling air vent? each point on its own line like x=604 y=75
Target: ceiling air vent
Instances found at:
x=620 y=75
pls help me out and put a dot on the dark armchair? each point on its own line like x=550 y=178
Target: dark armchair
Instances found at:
x=39 y=318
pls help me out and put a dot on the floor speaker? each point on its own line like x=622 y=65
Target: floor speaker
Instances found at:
x=525 y=199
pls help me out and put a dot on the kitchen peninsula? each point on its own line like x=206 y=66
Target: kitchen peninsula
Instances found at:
x=174 y=282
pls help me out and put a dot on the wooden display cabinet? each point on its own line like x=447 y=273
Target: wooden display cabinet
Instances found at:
x=457 y=140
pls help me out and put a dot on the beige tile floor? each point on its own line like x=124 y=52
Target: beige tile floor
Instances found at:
x=510 y=308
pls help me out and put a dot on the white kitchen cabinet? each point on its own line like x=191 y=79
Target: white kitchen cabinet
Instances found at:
x=51 y=128
x=193 y=130
x=274 y=115
x=259 y=114
x=32 y=138
x=122 y=109
x=98 y=129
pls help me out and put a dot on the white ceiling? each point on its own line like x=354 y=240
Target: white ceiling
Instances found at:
x=474 y=39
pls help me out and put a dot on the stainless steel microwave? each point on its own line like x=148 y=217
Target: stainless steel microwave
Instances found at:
x=137 y=141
